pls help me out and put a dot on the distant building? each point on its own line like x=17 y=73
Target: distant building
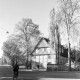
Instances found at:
x=43 y=54
x=46 y=51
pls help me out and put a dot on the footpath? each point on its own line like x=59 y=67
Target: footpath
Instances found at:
x=28 y=78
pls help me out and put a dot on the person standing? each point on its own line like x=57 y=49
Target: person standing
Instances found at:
x=15 y=70
x=38 y=66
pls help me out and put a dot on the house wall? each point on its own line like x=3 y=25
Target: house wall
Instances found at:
x=53 y=56
x=44 y=56
x=41 y=60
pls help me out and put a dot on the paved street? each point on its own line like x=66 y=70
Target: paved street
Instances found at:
x=6 y=74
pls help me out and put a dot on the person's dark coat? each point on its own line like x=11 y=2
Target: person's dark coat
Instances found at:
x=16 y=67
x=15 y=70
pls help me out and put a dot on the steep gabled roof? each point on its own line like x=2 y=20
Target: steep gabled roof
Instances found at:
x=41 y=39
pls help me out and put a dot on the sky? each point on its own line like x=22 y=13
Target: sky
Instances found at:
x=12 y=11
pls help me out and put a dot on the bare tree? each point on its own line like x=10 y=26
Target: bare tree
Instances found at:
x=26 y=30
x=11 y=51
x=54 y=34
x=68 y=12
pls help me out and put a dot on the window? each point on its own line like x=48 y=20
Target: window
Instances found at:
x=49 y=56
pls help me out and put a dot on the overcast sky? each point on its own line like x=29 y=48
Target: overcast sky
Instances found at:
x=12 y=11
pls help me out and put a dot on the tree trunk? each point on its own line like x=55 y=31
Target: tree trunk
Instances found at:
x=69 y=56
x=58 y=48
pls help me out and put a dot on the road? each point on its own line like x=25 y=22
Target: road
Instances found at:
x=6 y=73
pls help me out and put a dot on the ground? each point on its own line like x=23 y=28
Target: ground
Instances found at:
x=6 y=73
